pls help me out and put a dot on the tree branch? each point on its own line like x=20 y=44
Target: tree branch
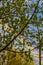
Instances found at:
x=22 y=29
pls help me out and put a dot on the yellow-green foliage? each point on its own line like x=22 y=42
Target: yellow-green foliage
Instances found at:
x=18 y=60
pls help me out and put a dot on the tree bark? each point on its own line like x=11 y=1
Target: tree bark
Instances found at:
x=40 y=55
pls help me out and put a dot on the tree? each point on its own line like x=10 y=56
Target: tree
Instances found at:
x=11 y=17
x=13 y=14
x=5 y=18
x=36 y=30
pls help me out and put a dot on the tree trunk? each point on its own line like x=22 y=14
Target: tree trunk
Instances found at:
x=40 y=55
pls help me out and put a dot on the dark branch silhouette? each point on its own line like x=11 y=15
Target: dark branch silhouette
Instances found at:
x=14 y=51
x=22 y=28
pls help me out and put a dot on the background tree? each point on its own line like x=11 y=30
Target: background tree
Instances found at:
x=36 y=29
x=14 y=14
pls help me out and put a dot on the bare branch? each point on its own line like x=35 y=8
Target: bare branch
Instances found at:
x=22 y=29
